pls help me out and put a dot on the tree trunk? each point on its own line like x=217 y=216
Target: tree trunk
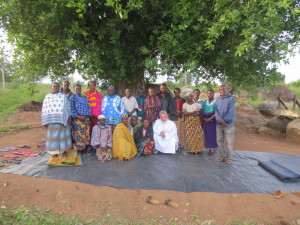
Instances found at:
x=134 y=85
x=3 y=79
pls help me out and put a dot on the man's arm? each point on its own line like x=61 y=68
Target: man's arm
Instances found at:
x=229 y=118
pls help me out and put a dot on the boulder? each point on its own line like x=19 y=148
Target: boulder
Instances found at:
x=267 y=108
x=293 y=131
x=256 y=119
x=287 y=113
x=266 y=131
x=279 y=123
x=240 y=118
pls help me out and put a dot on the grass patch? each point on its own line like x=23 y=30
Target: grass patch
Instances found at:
x=34 y=216
x=13 y=128
x=255 y=101
x=16 y=95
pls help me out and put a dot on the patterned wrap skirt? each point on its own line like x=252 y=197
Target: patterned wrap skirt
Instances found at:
x=81 y=133
x=180 y=131
x=103 y=156
x=193 y=134
x=143 y=148
x=58 y=138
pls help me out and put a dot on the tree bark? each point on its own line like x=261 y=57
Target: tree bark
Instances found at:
x=134 y=85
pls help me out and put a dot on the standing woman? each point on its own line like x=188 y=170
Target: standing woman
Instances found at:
x=193 y=131
x=55 y=116
x=210 y=124
x=152 y=106
x=81 y=111
x=123 y=143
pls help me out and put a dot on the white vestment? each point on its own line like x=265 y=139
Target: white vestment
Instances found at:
x=168 y=143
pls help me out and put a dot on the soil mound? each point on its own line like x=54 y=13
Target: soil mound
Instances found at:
x=31 y=107
x=286 y=93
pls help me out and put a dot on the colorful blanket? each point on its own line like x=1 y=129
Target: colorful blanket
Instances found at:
x=73 y=159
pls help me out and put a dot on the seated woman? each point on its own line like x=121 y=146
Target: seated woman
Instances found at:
x=123 y=144
x=144 y=138
x=193 y=131
x=102 y=140
x=134 y=125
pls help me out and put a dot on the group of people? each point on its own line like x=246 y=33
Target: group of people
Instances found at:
x=122 y=128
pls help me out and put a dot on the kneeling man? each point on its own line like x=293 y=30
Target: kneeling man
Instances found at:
x=165 y=134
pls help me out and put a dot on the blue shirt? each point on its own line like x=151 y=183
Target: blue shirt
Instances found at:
x=79 y=105
x=112 y=109
x=225 y=108
x=141 y=111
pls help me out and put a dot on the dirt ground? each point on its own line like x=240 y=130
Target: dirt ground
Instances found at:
x=88 y=201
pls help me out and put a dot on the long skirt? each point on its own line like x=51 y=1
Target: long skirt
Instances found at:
x=180 y=131
x=58 y=138
x=193 y=134
x=143 y=148
x=210 y=132
x=103 y=156
x=81 y=133
x=93 y=122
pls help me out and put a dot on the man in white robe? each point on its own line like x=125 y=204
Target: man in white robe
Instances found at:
x=165 y=134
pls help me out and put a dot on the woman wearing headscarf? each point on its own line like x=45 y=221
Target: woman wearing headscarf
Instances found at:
x=55 y=116
x=102 y=140
x=152 y=106
x=81 y=111
x=144 y=138
x=193 y=131
x=123 y=143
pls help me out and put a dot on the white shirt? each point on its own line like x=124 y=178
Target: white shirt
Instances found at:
x=130 y=104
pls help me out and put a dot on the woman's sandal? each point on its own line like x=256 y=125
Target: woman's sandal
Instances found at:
x=220 y=160
x=228 y=161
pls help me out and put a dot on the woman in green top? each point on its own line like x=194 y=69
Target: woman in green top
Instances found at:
x=210 y=123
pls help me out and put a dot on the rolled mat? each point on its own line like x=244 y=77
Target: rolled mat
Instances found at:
x=279 y=171
x=73 y=159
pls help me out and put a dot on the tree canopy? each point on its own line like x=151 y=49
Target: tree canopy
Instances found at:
x=239 y=41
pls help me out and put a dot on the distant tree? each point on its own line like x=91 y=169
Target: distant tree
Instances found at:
x=6 y=68
x=116 y=41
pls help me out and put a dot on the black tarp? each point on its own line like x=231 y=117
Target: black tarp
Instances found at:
x=180 y=172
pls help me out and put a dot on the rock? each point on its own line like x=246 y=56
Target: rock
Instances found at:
x=293 y=131
x=240 y=118
x=279 y=123
x=267 y=108
x=3 y=207
x=287 y=113
x=255 y=119
x=266 y=131
x=298 y=222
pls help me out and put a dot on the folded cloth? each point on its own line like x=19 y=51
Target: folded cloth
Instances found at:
x=279 y=171
x=73 y=159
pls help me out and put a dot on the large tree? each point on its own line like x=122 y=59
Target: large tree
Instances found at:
x=116 y=41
